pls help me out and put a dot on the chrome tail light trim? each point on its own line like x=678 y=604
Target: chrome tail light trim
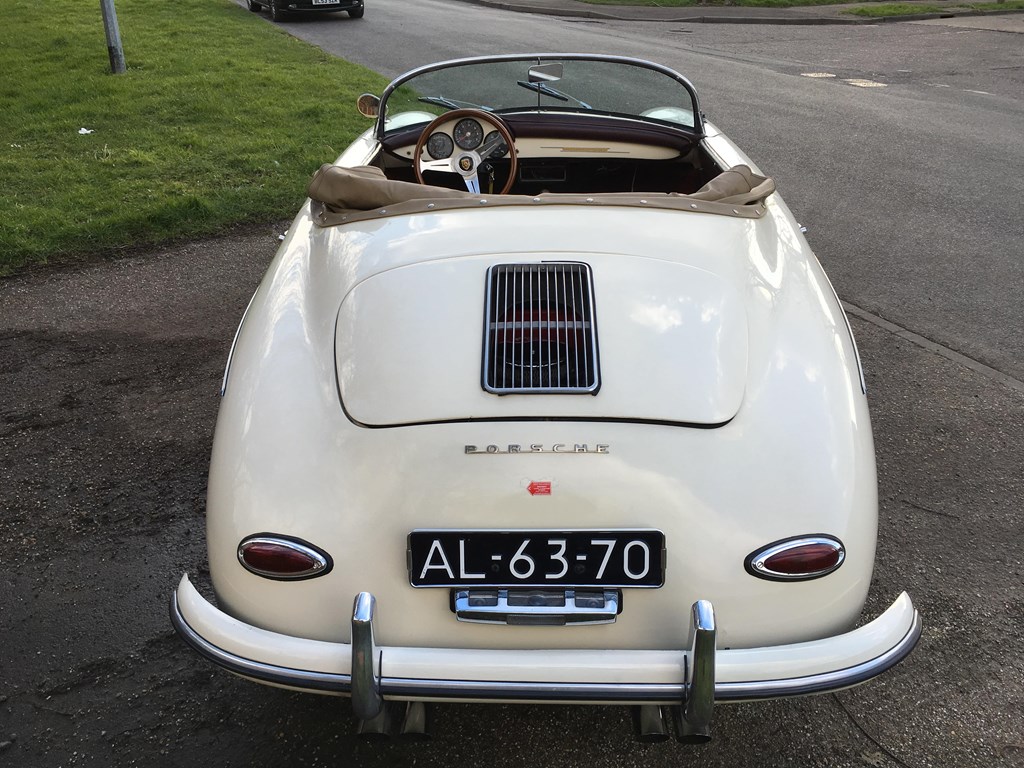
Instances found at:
x=756 y=563
x=320 y=562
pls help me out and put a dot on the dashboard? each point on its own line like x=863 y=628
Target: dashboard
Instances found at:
x=546 y=135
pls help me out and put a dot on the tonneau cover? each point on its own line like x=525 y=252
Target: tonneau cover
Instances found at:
x=342 y=195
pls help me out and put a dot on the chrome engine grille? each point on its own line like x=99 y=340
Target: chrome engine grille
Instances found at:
x=539 y=332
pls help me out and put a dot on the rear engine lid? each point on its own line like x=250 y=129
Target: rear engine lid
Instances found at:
x=659 y=341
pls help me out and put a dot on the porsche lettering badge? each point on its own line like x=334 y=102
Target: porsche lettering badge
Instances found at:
x=538 y=448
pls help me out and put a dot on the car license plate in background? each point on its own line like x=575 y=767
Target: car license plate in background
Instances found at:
x=609 y=558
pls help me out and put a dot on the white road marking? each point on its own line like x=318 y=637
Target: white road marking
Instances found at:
x=864 y=83
x=816 y=74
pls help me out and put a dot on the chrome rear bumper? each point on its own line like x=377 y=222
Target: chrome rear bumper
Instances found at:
x=585 y=676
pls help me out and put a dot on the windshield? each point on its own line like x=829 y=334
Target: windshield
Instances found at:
x=586 y=84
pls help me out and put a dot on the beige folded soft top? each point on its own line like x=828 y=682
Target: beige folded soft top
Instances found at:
x=343 y=195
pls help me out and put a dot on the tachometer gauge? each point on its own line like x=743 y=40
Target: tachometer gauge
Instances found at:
x=439 y=146
x=500 y=148
x=468 y=133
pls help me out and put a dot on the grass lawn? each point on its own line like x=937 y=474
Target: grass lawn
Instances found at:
x=220 y=119
x=879 y=9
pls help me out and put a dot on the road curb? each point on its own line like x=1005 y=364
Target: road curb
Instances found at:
x=729 y=15
x=558 y=10
x=945 y=15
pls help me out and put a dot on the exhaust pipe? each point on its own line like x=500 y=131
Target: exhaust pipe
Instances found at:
x=416 y=721
x=649 y=724
x=409 y=719
x=379 y=727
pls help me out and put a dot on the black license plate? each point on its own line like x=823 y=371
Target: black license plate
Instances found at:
x=609 y=558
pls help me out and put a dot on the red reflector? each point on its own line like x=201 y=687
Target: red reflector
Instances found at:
x=809 y=558
x=802 y=557
x=281 y=558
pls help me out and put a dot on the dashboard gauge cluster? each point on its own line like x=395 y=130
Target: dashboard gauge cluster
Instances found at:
x=440 y=146
x=468 y=134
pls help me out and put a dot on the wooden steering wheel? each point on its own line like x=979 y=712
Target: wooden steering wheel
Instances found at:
x=466 y=162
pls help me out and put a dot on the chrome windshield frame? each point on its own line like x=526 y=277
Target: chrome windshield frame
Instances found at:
x=541 y=58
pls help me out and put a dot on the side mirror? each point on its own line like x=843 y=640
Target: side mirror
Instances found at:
x=546 y=73
x=368 y=105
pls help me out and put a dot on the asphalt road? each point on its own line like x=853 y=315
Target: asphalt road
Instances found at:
x=110 y=374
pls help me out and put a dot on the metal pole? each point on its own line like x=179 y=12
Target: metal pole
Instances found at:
x=114 y=48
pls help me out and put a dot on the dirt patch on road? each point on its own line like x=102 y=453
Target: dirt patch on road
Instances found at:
x=100 y=431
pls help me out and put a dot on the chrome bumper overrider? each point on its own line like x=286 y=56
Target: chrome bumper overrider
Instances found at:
x=625 y=676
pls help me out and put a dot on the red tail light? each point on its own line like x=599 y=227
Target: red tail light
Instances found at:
x=797 y=559
x=279 y=557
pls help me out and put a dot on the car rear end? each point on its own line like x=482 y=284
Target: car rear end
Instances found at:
x=598 y=470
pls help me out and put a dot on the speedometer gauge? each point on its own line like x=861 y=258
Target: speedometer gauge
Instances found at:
x=439 y=146
x=468 y=133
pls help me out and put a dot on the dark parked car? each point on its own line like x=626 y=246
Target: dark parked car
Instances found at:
x=280 y=8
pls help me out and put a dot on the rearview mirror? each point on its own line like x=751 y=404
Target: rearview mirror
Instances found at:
x=546 y=73
x=368 y=105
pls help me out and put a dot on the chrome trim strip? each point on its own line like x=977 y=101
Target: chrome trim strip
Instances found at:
x=662 y=693
x=856 y=351
x=826 y=681
x=234 y=341
x=849 y=330
x=323 y=682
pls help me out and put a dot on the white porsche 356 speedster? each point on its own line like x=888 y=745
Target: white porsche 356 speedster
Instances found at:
x=544 y=398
